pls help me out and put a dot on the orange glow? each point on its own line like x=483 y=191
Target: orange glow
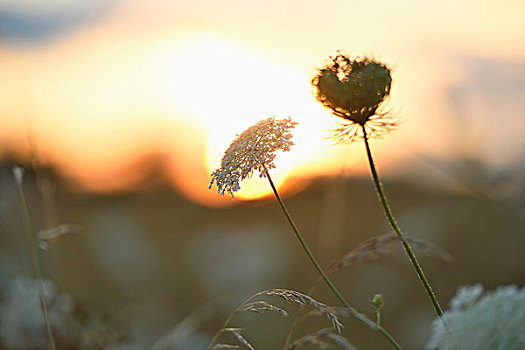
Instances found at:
x=227 y=87
x=187 y=97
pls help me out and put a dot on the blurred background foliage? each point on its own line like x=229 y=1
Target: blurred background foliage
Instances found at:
x=149 y=263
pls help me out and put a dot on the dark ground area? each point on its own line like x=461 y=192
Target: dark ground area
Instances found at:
x=144 y=261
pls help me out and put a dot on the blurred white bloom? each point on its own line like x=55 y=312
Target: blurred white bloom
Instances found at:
x=21 y=320
x=18 y=173
x=22 y=324
x=253 y=150
x=494 y=321
x=466 y=296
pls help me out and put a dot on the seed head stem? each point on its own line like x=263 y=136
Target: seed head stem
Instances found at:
x=325 y=277
x=397 y=230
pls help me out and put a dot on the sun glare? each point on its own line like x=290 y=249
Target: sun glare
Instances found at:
x=187 y=96
x=227 y=87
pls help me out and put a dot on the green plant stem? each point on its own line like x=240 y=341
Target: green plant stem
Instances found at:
x=395 y=227
x=34 y=262
x=327 y=280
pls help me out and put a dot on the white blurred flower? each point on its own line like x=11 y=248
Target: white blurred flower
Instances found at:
x=253 y=150
x=22 y=324
x=18 y=173
x=21 y=320
x=494 y=321
x=466 y=296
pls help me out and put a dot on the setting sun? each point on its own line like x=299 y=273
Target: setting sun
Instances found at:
x=226 y=87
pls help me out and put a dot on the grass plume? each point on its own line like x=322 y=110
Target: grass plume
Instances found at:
x=257 y=306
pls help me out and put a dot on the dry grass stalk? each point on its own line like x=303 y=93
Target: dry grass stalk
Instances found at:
x=45 y=236
x=225 y=346
x=343 y=312
x=301 y=299
x=184 y=328
x=430 y=247
x=262 y=306
x=374 y=247
x=341 y=341
x=318 y=337
x=237 y=332
x=18 y=174
x=249 y=305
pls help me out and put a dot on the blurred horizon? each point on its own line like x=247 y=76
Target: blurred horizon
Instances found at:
x=145 y=261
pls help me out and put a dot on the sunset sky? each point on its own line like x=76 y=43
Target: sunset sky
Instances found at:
x=99 y=85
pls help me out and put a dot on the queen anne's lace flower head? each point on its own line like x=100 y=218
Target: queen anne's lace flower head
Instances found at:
x=482 y=321
x=254 y=149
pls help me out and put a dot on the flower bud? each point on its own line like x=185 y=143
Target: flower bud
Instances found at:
x=377 y=301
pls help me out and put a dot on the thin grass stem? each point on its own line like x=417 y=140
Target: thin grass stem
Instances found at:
x=34 y=259
x=318 y=267
x=232 y=314
x=290 y=332
x=397 y=229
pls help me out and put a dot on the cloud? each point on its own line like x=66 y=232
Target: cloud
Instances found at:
x=29 y=23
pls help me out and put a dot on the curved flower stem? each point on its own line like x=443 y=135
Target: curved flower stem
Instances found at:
x=327 y=280
x=397 y=230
